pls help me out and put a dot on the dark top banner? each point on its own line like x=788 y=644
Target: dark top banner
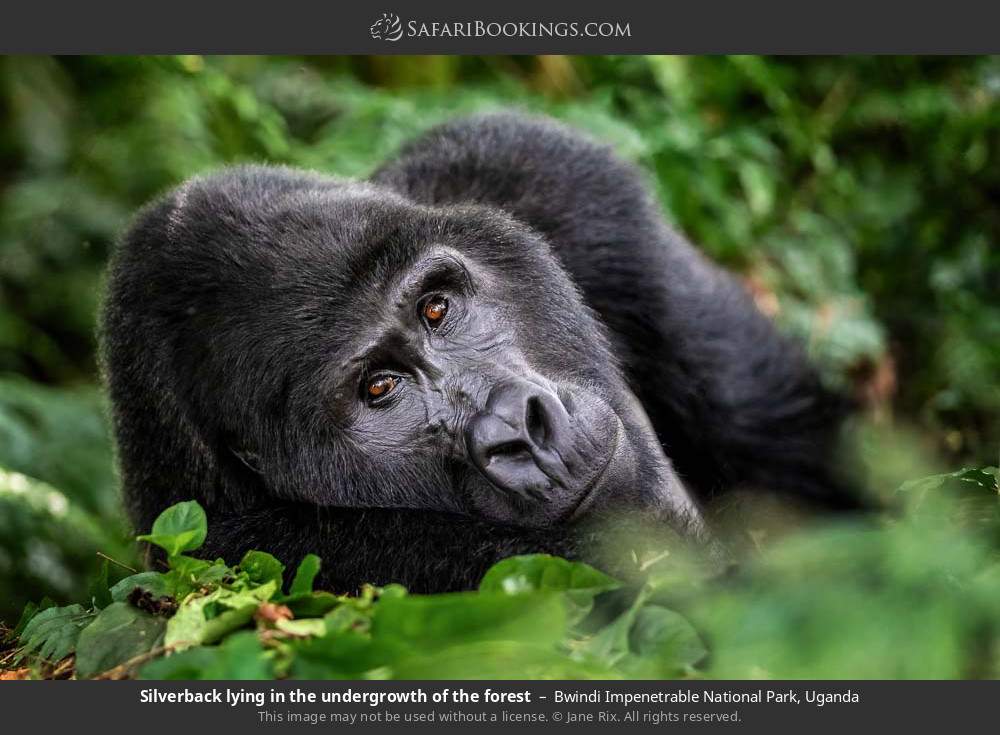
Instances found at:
x=511 y=27
x=599 y=706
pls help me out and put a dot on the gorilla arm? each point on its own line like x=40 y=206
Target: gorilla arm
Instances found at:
x=426 y=551
x=423 y=550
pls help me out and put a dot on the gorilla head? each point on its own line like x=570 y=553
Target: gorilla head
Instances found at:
x=272 y=334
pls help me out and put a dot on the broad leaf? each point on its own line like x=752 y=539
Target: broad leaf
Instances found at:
x=181 y=527
x=543 y=573
x=155 y=583
x=663 y=643
x=120 y=633
x=433 y=621
x=239 y=657
x=611 y=644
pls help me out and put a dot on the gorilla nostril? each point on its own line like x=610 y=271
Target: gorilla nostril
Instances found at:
x=535 y=421
x=511 y=450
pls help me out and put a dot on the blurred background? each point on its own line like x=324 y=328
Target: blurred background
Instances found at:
x=858 y=198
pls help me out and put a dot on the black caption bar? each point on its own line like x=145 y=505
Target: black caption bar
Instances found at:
x=511 y=27
x=153 y=707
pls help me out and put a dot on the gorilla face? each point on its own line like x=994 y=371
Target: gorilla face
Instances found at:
x=339 y=345
x=441 y=370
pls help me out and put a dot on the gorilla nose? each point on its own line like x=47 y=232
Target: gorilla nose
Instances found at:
x=518 y=439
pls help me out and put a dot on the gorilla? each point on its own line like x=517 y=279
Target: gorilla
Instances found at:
x=484 y=349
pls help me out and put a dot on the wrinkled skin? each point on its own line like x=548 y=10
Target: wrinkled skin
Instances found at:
x=482 y=352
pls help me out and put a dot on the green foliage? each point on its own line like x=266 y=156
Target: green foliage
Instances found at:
x=60 y=437
x=154 y=584
x=914 y=596
x=261 y=567
x=207 y=618
x=48 y=543
x=180 y=528
x=663 y=638
x=526 y=620
x=118 y=634
x=52 y=633
x=241 y=656
x=543 y=573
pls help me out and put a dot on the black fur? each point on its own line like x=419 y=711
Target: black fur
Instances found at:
x=236 y=301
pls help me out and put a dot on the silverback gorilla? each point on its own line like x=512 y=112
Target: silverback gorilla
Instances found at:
x=492 y=342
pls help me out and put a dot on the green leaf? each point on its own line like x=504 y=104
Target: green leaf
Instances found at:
x=391 y=591
x=190 y=664
x=305 y=574
x=349 y=655
x=188 y=574
x=52 y=634
x=434 y=621
x=120 y=633
x=301 y=599
x=311 y=604
x=610 y=644
x=239 y=657
x=543 y=573
x=496 y=660
x=155 y=583
x=208 y=618
x=664 y=642
x=181 y=527
x=261 y=567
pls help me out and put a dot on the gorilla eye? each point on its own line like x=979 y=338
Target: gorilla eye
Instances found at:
x=380 y=386
x=434 y=310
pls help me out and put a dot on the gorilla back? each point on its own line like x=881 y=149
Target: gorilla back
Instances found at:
x=493 y=342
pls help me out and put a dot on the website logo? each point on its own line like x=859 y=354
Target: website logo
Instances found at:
x=387 y=28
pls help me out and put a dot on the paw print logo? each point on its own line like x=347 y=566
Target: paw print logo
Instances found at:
x=387 y=28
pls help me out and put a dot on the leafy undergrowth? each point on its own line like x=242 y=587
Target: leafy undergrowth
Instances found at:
x=204 y=619
x=913 y=595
